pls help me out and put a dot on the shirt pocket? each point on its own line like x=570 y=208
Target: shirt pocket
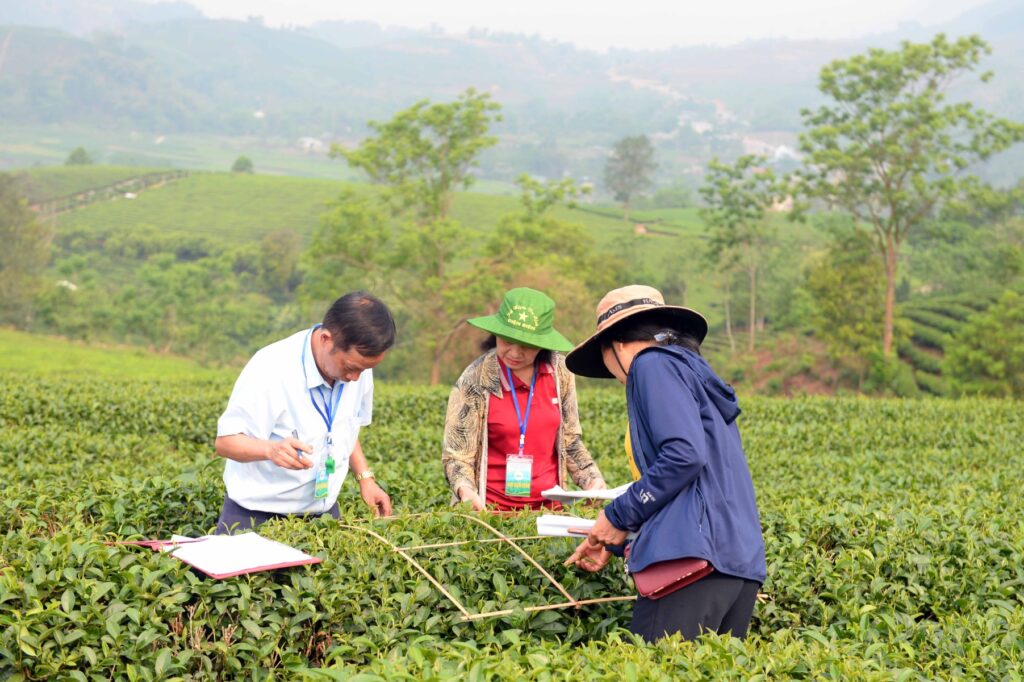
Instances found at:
x=345 y=434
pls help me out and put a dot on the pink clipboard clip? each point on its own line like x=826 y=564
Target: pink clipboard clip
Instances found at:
x=156 y=545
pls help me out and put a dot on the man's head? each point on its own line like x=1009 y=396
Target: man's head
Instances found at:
x=358 y=330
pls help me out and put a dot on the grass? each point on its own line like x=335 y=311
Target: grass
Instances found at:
x=42 y=184
x=34 y=354
x=222 y=206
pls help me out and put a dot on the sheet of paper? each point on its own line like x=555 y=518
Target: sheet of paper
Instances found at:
x=222 y=556
x=558 y=494
x=558 y=526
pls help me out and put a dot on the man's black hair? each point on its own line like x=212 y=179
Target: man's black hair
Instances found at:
x=360 y=320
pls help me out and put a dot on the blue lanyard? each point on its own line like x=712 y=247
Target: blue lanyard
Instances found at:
x=529 y=404
x=330 y=408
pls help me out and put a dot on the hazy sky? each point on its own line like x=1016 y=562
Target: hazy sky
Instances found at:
x=598 y=24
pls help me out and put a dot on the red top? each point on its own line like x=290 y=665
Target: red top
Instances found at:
x=541 y=435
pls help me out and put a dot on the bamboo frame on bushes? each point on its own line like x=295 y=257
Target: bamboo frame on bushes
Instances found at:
x=499 y=537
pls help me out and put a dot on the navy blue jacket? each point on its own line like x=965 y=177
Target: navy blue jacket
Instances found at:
x=695 y=497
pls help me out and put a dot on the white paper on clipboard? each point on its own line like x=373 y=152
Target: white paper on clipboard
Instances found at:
x=226 y=556
x=559 y=494
x=554 y=525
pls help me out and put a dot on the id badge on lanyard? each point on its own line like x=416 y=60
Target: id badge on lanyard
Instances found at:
x=519 y=466
x=518 y=475
x=325 y=461
x=325 y=468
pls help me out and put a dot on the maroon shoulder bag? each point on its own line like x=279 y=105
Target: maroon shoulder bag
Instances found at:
x=665 y=577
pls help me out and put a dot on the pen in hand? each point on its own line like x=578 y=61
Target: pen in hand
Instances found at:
x=295 y=435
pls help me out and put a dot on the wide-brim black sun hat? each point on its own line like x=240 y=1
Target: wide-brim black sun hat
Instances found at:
x=630 y=302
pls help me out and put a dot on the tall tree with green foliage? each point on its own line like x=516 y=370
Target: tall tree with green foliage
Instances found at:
x=427 y=152
x=737 y=199
x=987 y=353
x=630 y=170
x=846 y=287
x=534 y=247
x=78 y=157
x=889 y=148
x=403 y=240
x=25 y=252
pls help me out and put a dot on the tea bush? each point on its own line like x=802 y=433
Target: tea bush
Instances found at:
x=894 y=533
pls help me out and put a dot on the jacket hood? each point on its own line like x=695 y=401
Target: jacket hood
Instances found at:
x=721 y=394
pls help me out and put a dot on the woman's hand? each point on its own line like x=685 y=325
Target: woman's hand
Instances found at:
x=591 y=555
x=470 y=496
x=596 y=484
x=588 y=557
x=604 y=533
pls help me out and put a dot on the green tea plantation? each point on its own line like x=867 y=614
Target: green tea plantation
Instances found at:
x=894 y=533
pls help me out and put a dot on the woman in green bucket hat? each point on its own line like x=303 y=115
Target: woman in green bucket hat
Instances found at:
x=513 y=428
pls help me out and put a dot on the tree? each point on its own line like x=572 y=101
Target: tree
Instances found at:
x=890 y=150
x=78 y=157
x=420 y=157
x=987 y=353
x=532 y=247
x=629 y=169
x=243 y=164
x=426 y=152
x=737 y=199
x=279 y=251
x=846 y=287
x=25 y=253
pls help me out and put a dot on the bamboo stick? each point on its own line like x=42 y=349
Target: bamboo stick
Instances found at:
x=519 y=549
x=549 y=607
x=472 y=542
x=416 y=565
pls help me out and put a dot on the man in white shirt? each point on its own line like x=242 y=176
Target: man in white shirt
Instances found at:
x=290 y=432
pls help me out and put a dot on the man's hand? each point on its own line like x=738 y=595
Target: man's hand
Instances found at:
x=375 y=497
x=596 y=484
x=470 y=496
x=287 y=453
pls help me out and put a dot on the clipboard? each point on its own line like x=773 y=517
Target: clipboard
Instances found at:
x=228 y=556
x=559 y=494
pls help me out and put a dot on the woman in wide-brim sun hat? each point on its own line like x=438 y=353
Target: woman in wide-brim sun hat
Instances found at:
x=512 y=428
x=693 y=497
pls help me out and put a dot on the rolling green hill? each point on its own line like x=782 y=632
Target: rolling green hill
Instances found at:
x=220 y=206
x=34 y=355
x=120 y=252
x=44 y=184
x=233 y=209
x=934 y=320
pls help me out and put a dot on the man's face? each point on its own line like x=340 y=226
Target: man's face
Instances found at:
x=344 y=365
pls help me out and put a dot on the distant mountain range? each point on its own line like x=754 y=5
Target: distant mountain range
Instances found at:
x=163 y=68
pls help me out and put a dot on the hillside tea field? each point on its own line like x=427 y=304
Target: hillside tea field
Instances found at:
x=894 y=532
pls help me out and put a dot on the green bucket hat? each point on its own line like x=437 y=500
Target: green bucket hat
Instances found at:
x=526 y=316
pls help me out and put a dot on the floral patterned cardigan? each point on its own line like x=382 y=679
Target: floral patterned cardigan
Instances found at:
x=465 y=427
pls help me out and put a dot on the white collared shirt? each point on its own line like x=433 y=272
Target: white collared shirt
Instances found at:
x=271 y=399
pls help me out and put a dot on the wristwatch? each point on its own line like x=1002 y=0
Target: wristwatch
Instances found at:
x=364 y=475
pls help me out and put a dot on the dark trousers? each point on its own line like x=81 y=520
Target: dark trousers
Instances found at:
x=234 y=518
x=715 y=603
